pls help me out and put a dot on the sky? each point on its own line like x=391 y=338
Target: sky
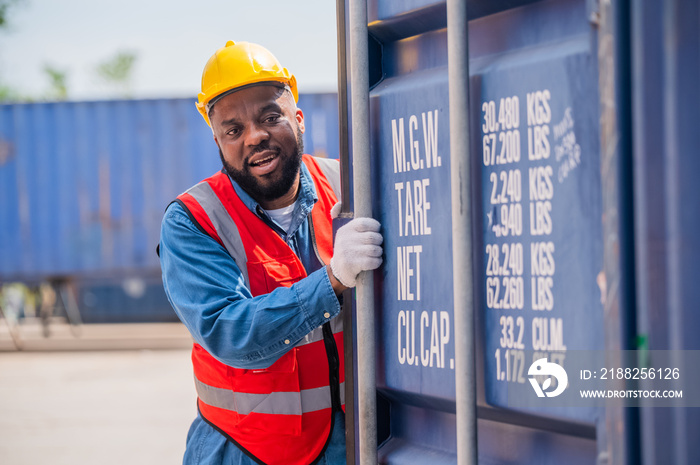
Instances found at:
x=172 y=39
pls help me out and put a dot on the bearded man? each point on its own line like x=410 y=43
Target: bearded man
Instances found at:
x=250 y=267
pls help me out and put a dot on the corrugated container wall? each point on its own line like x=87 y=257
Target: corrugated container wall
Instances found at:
x=583 y=157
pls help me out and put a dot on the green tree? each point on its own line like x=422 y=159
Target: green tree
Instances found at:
x=117 y=71
x=5 y=6
x=57 y=81
x=7 y=93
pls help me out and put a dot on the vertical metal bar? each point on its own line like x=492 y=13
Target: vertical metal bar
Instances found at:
x=344 y=144
x=619 y=444
x=460 y=177
x=623 y=86
x=362 y=185
x=344 y=156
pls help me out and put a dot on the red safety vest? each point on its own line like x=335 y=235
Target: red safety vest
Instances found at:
x=282 y=414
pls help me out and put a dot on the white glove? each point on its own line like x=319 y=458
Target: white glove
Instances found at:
x=335 y=211
x=357 y=248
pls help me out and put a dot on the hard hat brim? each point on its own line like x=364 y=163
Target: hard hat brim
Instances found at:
x=216 y=98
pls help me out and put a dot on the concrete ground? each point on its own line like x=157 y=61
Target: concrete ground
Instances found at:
x=94 y=406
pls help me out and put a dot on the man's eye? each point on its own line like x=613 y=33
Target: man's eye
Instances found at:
x=272 y=118
x=233 y=132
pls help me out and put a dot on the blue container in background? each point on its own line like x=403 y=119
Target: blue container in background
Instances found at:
x=83 y=186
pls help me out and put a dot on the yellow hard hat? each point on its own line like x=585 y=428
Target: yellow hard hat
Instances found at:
x=239 y=64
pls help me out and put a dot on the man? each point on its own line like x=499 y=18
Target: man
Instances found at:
x=246 y=260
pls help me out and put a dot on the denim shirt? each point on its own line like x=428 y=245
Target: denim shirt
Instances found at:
x=207 y=291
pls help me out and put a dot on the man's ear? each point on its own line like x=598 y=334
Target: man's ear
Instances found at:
x=299 y=115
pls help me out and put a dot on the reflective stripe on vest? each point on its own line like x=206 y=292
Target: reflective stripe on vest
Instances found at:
x=276 y=403
x=226 y=229
x=317 y=334
x=331 y=170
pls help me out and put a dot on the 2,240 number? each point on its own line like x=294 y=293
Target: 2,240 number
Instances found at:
x=510 y=189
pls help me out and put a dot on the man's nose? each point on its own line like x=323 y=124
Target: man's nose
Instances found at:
x=255 y=135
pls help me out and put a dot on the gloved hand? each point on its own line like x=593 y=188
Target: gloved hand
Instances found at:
x=357 y=248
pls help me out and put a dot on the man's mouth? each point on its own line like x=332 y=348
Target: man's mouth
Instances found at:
x=264 y=161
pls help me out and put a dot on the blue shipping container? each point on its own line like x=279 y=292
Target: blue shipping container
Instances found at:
x=582 y=155
x=83 y=185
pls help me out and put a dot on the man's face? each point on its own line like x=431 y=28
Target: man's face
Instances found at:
x=258 y=131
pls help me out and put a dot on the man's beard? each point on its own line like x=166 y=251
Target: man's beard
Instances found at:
x=267 y=193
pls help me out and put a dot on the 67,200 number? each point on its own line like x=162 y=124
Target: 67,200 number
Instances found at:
x=509 y=152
